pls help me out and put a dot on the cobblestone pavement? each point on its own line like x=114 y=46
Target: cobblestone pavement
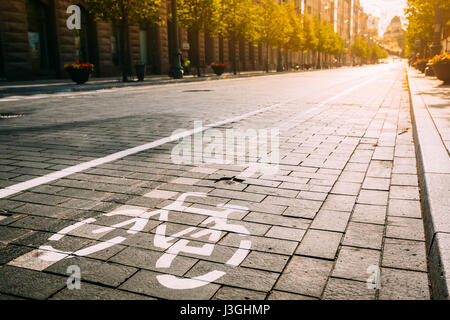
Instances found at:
x=342 y=208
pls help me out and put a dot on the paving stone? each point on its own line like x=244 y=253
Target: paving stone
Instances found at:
x=405 y=228
x=110 y=274
x=320 y=244
x=265 y=261
x=404 y=179
x=404 y=254
x=285 y=233
x=304 y=275
x=339 y=203
x=351 y=176
x=8 y=234
x=289 y=202
x=10 y=252
x=331 y=220
x=259 y=207
x=367 y=213
x=230 y=293
x=280 y=295
x=268 y=245
x=246 y=278
x=272 y=219
x=146 y=282
x=272 y=191
x=403 y=285
x=379 y=169
x=404 y=208
x=308 y=195
x=363 y=235
x=352 y=263
x=403 y=192
x=160 y=194
x=40 y=198
x=346 y=188
x=342 y=289
x=29 y=283
x=89 y=291
x=300 y=212
x=238 y=195
x=374 y=197
x=182 y=180
x=376 y=183
x=146 y=259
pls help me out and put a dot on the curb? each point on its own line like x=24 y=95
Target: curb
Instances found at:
x=434 y=177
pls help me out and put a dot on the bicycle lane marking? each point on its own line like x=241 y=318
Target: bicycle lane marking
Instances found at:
x=215 y=223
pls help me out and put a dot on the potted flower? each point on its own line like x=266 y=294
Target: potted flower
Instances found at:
x=421 y=64
x=441 y=67
x=79 y=72
x=218 y=68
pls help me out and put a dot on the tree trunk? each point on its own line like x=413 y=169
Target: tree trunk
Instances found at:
x=267 y=57
x=233 y=51
x=124 y=50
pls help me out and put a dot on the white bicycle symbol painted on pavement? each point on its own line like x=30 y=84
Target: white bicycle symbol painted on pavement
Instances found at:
x=217 y=222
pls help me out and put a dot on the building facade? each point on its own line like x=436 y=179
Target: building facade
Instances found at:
x=35 y=42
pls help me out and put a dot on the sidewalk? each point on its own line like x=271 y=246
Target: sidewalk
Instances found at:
x=430 y=107
x=21 y=88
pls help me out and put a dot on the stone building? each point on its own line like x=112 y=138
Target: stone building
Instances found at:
x=35 y=43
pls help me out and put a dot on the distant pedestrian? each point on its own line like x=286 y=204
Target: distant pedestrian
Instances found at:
x=187 y=66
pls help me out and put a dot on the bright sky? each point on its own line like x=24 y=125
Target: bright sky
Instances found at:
x=385 y=10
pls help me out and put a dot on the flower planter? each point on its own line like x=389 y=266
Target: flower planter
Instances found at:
x=442 y=71
x=140 y=72
x=218 y=69
x=79 y=72
x=421 y=65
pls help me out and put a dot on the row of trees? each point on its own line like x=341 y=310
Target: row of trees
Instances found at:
x=420 y=16
x=259 y=22
x=367 y=52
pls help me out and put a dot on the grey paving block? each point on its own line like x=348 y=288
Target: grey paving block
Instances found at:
x=374 y=197
x=342 y=289
x=146 y=259
x=367 y=213
x=331 y=220
x=241 y=277
x=285 y=233
x=230 y=293
x=363 y=235
x=281 y=295
x=29 y=283
x=110 y=274
x=279 y=220
x=404 y=208
x=404 y=192
x=404 y=254
x=405 y=228
x=353 y=263
x=269 y=245
x=265 y=261
x=320 y=244
x=439 y=266
x=339 y=203
x=305 y=276
x=403 y=285
x=146 y=282
x=89 y=291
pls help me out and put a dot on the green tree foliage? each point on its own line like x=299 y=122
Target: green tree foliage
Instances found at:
x=198 y=16
x=237 y=21
x=420 y=16
x=125 y=13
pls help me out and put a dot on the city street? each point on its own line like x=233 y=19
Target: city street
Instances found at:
x=89 y=190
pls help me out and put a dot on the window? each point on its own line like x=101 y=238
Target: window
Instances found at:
x=38 y=32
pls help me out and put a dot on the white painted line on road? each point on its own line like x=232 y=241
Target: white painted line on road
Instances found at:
x=16 y=188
